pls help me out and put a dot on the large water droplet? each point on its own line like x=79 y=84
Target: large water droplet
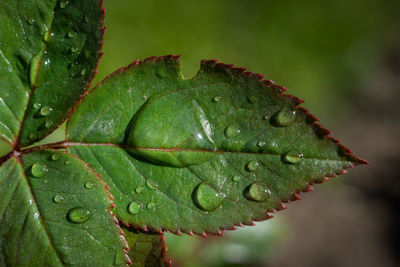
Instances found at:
x=78 y=215
x=45 y=111
x=58 y=198
x=284 y=117
x=207 y=198
x=39 y=170
x=292 y=157
x=258 y=192
x=133 y=208
x=252 y=166
x=231 y=131
x=151 y=205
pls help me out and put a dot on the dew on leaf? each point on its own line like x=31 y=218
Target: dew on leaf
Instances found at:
x=74 y=49
x=71 y=34
x=236 y=178
x=217 y=98
x=151 y=205
x=260 y=144
x=36 y=105
x=139 y=189
x=252 y=166
x=292 y=157
x=63 y=4
x=45 y=111
x=32 y=136
x=284 y=117
x=88 y=185
x=48 y=124
x=58 y=198
x=207 y=198
x=78 y=215
x=133 y=208
x=39 y=170
x=258 y=192
x=46 y=37
x=31 y=21
x=252 y=99
x=55 y=156
x=45 y=181
x=231 y=131
x=83 y=71
x=66 y=162
x=150 y=185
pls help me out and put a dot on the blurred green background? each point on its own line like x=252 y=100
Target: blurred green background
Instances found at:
x=343 y=58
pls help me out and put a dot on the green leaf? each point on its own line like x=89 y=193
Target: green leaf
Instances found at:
x=146 y=248
x=200 y=155
x=48 y=53
x=54 y=211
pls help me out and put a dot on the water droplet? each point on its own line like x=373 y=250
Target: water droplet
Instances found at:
x=236 y=178
x=45 y=181
x=63 y=4
x=46 y=36
x=45 y=111
x=144 y=97
x=252 y=99
x=71 y=34
x=48 y=124
x=36 y=105
x=231 y=131
x=78 y=215
x=292 y=157
x=66 y=162
x=150 y=185
x=32 y=136
x=133 y=208
x=252 y=166
x=217 y=98
x=260 y=144
x=207 y=198
x=88 y=185
x=39 y=170
x=258 y=192
x=139 y=189
x=266 y=117
x=55 y=156
x=151 y=205
x=284 y=117
x=86 y=18
x=83 y=71
x=73 y=49
x=58 y=198
x=31 y=21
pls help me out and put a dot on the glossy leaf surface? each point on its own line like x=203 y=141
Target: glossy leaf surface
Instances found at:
x=55 y=212
x=48 y=53
x=146 y=249
x=203 y=154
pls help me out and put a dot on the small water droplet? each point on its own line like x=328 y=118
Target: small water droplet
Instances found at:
x=252 y=166
x=46 y=37
x=207 y=198
x=150 y=185
x=32 y=136
x=252 y=99
x=39 y=170
x=36 y=105
x=48 y=124
x=231 y=131
x=74 y=49
x=284 y=117
x=71 y=34
x=55 y=156
x=58 y=198
x=133 y=208
x=260 y=144
x=139 y=189
x=258 y=192
x=217 y=98
x=89 y=185
x=31 y=21
x=78 y=215
x=63 y=4
x=86 y=18
x=265 y=117
x=236 y=178
x=292 y=158
x=144 y=97
x=45 y=111
x=83 y=71
x=66 y=162
x=151 y=205
x=45 y=181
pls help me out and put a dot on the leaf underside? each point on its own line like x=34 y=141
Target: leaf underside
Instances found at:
x=200 y=155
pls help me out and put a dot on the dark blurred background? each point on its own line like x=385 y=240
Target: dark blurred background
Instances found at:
x=343 y=58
